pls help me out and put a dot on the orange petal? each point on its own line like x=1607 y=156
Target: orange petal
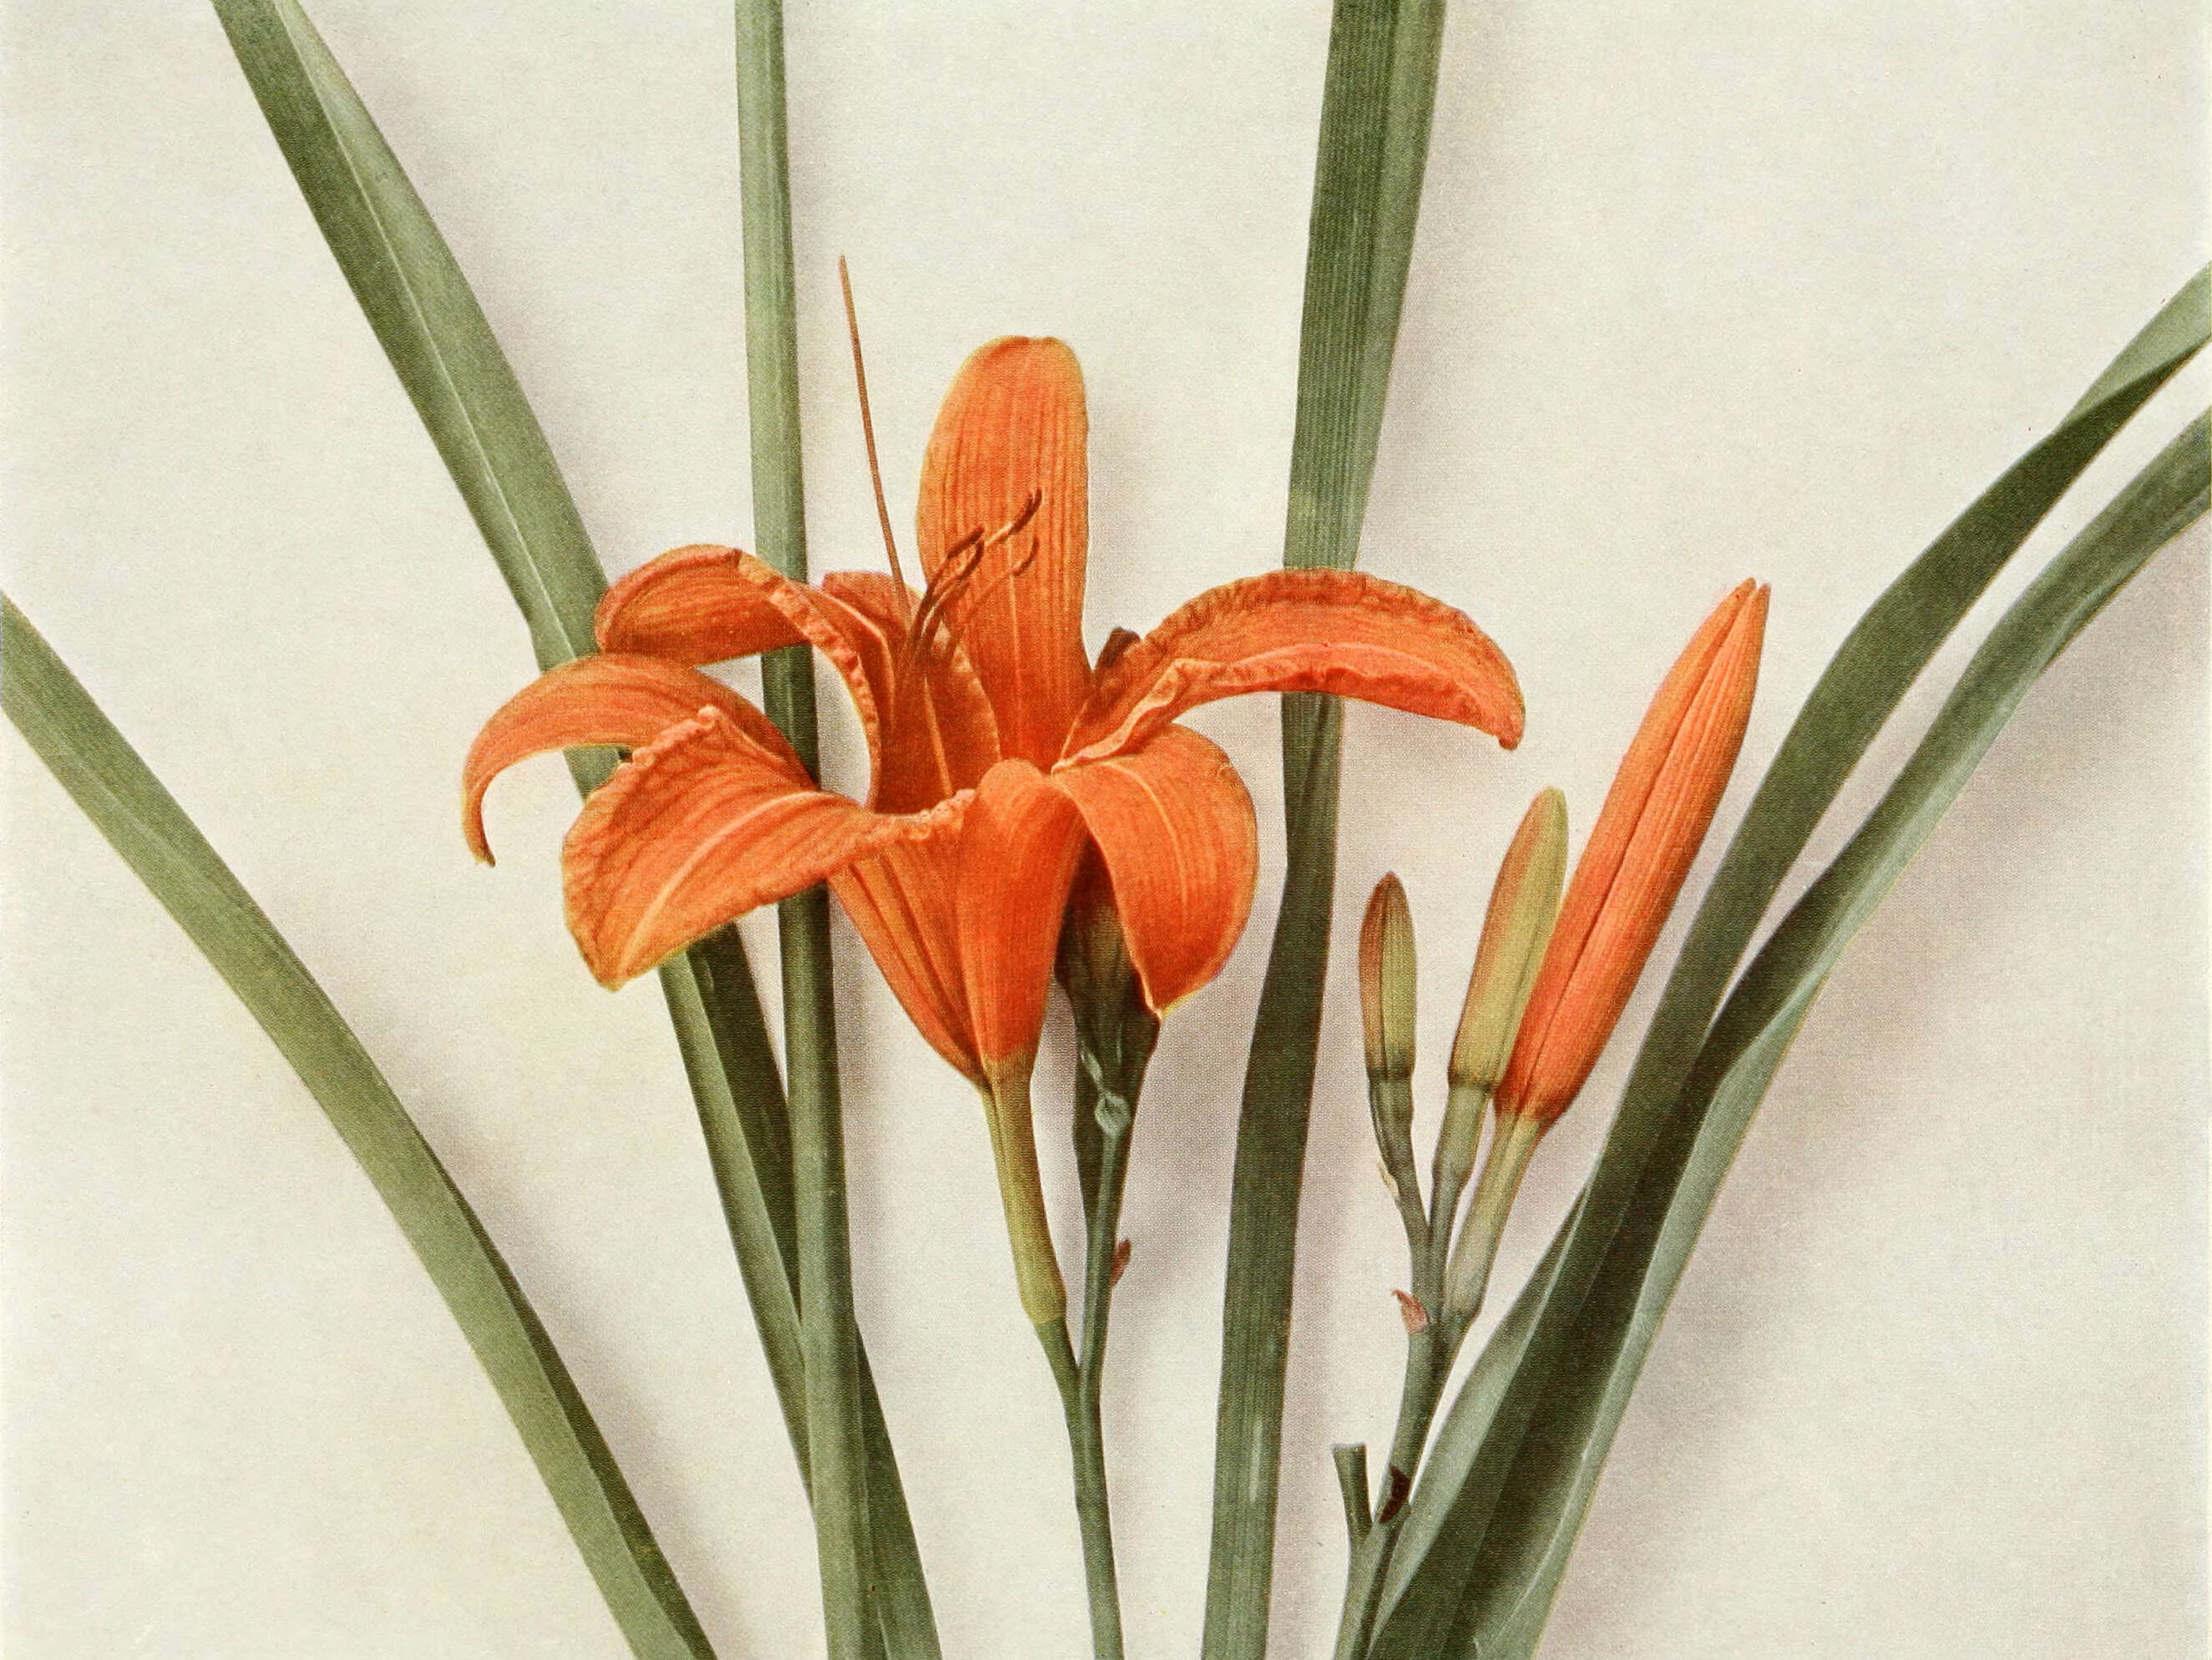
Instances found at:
x=1654 y=820
x=696 y=828
x=939 y=735
x=708 y=605
x=1177 y=830
x=1013 y=426
x=607 y=700
x=1018 y=853
x=900 y=899
x=701 y=604
x=1303 y=631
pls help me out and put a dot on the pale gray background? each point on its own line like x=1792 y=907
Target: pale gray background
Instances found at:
x=1703 y=290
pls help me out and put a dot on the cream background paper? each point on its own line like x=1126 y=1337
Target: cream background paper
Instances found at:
x=1703 y=290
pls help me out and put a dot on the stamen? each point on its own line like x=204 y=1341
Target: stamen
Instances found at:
x=958 y=564
x=1015 y=525
x=868 y=432
x=1013 y=567
x=962 y=561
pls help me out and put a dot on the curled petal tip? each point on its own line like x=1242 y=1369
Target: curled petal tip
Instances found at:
x=1343 y=632
x=472 y=829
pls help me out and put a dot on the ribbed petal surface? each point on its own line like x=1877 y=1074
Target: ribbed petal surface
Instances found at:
x=696 y=829
x=622 y=701
x=1019 y=853
x=1013 y=425
x=900 y=901
x=1175 y=829
x=1303 y=631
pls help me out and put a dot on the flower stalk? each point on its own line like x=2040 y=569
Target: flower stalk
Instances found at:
x=1558 y=1014
x=1114 y=1034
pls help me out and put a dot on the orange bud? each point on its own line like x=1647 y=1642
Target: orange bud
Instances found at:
x=1654 y=820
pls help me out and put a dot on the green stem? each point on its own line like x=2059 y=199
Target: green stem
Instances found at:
x=1376 y=106
x=1116 y=1118
x=1352 y=1482
x=1429 y=1356
x=836 y=1456
x=1362 y=1589
x=1464 y=1112
x=1110 y=1100
x=1080 y=1402
x=1511 y=1145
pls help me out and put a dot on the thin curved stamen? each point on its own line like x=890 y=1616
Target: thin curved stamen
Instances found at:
x=868 y=433
x=958 y=568
x=962 y=561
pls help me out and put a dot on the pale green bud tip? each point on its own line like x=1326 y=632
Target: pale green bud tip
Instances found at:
x=1386 y=981
x=1524 y=905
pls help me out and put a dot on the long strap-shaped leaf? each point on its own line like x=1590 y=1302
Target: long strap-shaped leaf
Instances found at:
x=1375 y=109
x=424 y=314
x=427 y=321
x=421 y=307
x=142 y=822
x=838 y=1446
x=1541 y=1510
x=1860 y=688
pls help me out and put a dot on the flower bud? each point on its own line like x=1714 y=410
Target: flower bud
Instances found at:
x=1387 y=981
x=1524 y=905
x=1654 y=820
x=1386 y=1001
x=1524 y=902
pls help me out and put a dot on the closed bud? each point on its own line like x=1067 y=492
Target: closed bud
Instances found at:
x=1647 y=834
x=1524 y=902
x=1386 y=1001
x=1387 y=981
x=1113 y=1025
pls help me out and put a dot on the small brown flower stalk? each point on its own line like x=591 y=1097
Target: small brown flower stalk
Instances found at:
x=1654 y=820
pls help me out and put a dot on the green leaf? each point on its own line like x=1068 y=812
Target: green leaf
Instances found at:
x=1375 y=109
x=428 y=322
x=144 y=823
x=873 y=1597
x=1586 y=1308
x=1543 y=1504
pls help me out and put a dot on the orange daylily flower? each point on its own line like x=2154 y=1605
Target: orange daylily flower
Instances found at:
x=1649 y=832
x=1000 y=755
x=998 y=750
